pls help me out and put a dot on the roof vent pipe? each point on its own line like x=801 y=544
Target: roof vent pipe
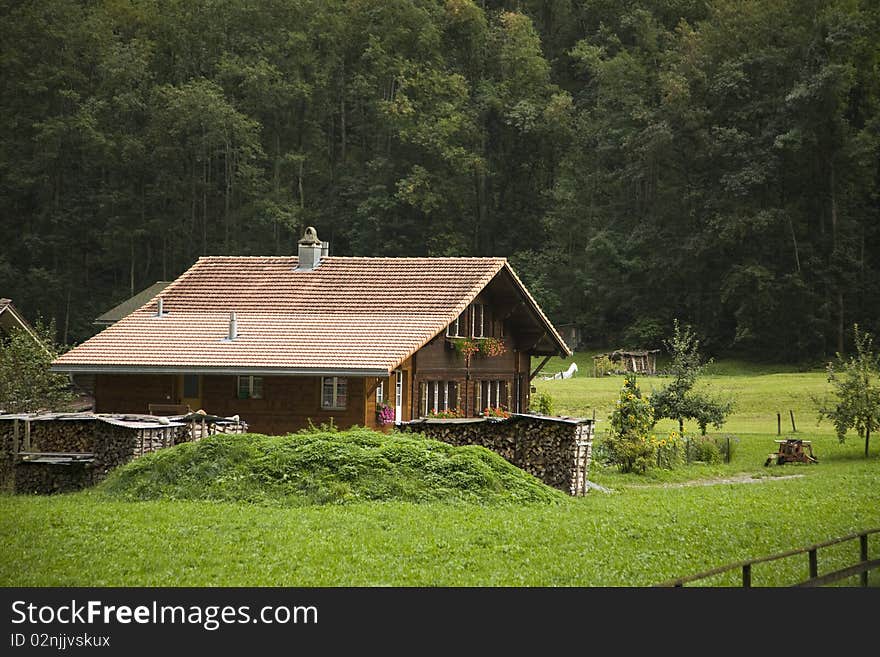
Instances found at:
x=160 y=307
x=233 y=327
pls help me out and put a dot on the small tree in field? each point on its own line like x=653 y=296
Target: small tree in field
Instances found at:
x=856 y=384
x=632 y=419
x=679 y=400
x=26 y=383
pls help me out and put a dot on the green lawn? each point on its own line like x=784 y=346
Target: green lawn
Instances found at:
x=759 y=393
x=648 y=530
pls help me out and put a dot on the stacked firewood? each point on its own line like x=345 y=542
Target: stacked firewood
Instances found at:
x=545 y=448
x=49 y=478
x=60 y=436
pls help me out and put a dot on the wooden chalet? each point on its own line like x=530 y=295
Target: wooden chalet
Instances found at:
x=284 y=341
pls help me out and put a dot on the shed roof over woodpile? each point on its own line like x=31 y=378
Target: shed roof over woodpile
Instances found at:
x=355 y=316
x=128 y=421
x=618 y=353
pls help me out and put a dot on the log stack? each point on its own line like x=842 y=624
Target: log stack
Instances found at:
x=55 y=452
x=555 y=450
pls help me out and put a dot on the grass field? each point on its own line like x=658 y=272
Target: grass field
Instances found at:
x=648 y=530
x=759 y=393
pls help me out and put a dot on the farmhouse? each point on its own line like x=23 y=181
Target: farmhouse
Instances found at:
x=283 y=341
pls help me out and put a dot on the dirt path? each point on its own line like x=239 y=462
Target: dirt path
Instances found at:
x=735 y=479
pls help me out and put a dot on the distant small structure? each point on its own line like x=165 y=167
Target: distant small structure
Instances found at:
x=130 y=305
x=571 y=333
x=638 y=361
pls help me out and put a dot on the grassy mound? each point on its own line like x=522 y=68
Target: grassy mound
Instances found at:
x=325 y=468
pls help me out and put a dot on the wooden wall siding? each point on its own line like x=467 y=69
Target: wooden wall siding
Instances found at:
x=524 y=370
x=439 y=361
x=467 y=393
x=287 y=405
x=133 y=393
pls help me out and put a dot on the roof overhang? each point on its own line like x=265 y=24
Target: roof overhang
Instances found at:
x=559 y=348
x=220 y=370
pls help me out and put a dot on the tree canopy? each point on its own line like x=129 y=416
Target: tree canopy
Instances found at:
x=636 y=160
x=680 y=400
x=26 y=383
x=855 y=381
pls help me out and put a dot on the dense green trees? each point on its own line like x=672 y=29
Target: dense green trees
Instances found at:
x=637 y=160
x=26 y=384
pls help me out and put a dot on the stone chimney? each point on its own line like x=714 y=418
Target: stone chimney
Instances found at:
x=311 y=250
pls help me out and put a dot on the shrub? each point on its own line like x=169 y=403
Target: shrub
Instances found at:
x=711 y=449
x=668 y=450
x=542 y=403
x=627 y=442
x=604 y=365
x=703 y=448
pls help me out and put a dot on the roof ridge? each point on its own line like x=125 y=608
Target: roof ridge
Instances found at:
x=340 y=257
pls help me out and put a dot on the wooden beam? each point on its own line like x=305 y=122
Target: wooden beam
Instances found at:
x=539 y=368
x=375 y=385
x=838 y=575
x=15 y=438
x=27 y=435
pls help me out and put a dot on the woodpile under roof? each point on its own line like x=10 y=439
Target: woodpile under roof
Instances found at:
x=640 y=361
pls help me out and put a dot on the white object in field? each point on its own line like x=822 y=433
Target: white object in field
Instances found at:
x=567 y=374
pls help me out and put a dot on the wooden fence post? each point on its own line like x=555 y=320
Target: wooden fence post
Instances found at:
x=778 y=423
x=793 y=427
x=863 y=545
x=814 y=564
x=747 y=575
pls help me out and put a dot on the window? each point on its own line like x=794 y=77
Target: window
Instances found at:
x=481 y=325
x=398 y=389
x=334 y=392
x=439 y=396
x=454 y=328
x=477 y=317
x=492 y=394
x=380 y=392
x=250 y=387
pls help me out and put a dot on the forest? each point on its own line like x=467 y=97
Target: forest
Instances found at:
x=638 y=161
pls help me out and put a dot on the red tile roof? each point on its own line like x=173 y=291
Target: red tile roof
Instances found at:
x=353 y=315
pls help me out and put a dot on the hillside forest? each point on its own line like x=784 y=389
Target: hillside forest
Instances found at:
x=716 y=161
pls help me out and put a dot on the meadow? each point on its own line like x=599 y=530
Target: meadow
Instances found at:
x=649 y=529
